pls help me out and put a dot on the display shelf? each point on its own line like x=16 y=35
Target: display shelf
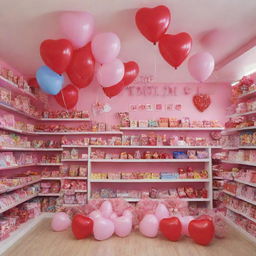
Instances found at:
x=15 y=110
x=221 y=178
x=51 y=178
x=159 y=199
x=79 y=133
x=239 y=147
x=71 y=205
x=247 y=95
x=148 y=180
x=65 y=119
x=239 y=162
x=80 y=191
x=246 y=182
x=17 y=203
x=16 y=166
x=240 y=197
x=242 y=114
x=216 y=188
x=68 y=191
x=247 y=235
x=238 y=129
x=153 y=147
x=29 y=149
x=150 y=160
x=49 y=164
x=74 y=178
x=20 y=186
x=10 y=129
x=238 y=212
x=171 y=129
x=74 y=160
x=74 y=146
x=49 y=194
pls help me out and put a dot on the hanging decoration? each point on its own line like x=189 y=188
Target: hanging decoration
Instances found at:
x=153 y=22
x=201 y=101
x=201 y=66
x=175 y=48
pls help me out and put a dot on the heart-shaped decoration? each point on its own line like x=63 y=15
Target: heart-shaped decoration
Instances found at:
x=56 y=54
x=149 y=225
x=202 y=101
x=175 y=48
x=123 y=226
x=153 y=22
x=171 y=228
x=103 y=229
x=82 y=226
x=201 y=231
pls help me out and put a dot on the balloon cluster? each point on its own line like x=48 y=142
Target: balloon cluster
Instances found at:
x=153 y=24
x=77 y=55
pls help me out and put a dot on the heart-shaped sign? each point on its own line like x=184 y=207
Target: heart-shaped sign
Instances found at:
x=82 y=226
x=171 y=228
x=202 y=101
x=153 y=22
x=56 y=54
x=175 y=48
x=201 y=231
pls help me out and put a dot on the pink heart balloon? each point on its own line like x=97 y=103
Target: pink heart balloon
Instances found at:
x=113 y=216
x=95 y=215
x=60 y=221
x=127 y=213
x=149 y=225
x=103 y=228
x=161 y=212
x=123 y=226
x=106 y=209
x=185 y=222
x=78 y=27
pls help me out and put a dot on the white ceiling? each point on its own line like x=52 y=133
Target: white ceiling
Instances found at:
x=220 y=27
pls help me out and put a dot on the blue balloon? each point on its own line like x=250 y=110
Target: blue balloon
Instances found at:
x=49 y=81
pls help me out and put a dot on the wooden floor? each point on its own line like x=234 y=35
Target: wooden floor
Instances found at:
x=43 y=242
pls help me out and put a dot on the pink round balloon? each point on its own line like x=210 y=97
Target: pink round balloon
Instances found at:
x=110 y=73
x=78 y=27
x=60 y=221
x=105 y=47
x=149 y=225
x=106 y=209
x=184 y=222
x=95 y=215
x=161 y=212
x=201 y=66
x=123 y=226
x=103 y=228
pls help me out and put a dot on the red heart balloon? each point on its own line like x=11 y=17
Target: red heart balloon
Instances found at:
x=171 y=228
x=67 y=97
x=56 y=54
x=81 y=68
x=153 y=22
x=131 y=71
x=202 y=101
x=32 y=82
x=201 y=231
x=82 y=226
x=175 y=48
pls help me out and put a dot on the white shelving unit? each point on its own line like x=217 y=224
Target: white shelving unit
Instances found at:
x=246 y=183
x=241 y=213
x=74 y=146
x=239 y=162
x=154 y=147
x=74 y=160
x=171 y=129
x=65 y=119
x=240 y=197
x=148 y=180
x=242 y=114
x=50 y=194
x=149 y=160
x=79 y=133
x=30 y=149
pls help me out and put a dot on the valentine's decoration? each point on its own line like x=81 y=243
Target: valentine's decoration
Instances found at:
x=81 y=67
x=33 y=83
x=131 y=70
x=123 y=225
x=175 y=48
x=67 y=97
x=103 y=228
x=185 y=220
x=56 y=54
x=82 y=226
x=60 y=221
x=106 y=209
x=110 y=73
x=161 y=212
x=95 y=214
x=201 y=101
x=201 y=66
x=201 y=231
x=50 y=82
x=149 y=225
x=171 y=228
x=78 y=27
x=153 y=22
x=105 y=47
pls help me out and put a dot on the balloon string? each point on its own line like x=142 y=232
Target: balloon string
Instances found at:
x=155 y=64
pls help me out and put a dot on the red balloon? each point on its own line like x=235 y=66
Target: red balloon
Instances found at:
x=82 y=226
x=32 y=82
x=56 y=54
x=67 y=97
x=201 y=231
x=81 y=68
x=171 y=228
x=175 y=48
x=131 y=71
x=153 y=22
